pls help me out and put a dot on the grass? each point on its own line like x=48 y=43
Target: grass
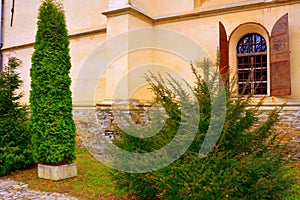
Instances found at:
x=92 y=182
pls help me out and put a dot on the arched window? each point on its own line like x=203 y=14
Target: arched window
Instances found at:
x=252 y=64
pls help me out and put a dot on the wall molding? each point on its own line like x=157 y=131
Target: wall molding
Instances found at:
x=71 y=37
x=131 y=10
x=225 y=9
x=198 y=12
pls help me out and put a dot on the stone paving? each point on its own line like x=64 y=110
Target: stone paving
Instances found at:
x=10 y=189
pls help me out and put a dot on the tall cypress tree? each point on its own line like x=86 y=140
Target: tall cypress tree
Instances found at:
x=51 y=120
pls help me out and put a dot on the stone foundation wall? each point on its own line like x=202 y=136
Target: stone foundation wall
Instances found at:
x=86 y=124
x=289 y=127
x=289 y=116
x=109 y=116
x=103 y=118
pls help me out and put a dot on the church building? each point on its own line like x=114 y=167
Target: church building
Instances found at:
x=258 y=41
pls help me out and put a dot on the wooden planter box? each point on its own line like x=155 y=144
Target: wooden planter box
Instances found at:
x=57 y=172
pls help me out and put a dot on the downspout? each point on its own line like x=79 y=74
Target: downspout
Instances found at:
x=1 y=34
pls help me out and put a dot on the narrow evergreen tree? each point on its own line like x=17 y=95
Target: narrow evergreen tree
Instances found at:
x=15 y=142
x=51 y=120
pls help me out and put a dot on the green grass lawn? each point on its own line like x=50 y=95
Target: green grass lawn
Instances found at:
x=92 y=182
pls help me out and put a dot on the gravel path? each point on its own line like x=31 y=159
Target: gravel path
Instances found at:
x=10 y=189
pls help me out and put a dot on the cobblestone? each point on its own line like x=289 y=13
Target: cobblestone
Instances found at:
x=10 y=189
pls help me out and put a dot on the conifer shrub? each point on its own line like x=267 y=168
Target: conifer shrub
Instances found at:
x=51 y=120
x=15 y=138
x=247 y=162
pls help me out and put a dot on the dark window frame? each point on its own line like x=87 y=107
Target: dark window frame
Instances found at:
x=252 y=64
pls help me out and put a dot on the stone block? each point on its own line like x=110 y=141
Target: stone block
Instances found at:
x=57 y=172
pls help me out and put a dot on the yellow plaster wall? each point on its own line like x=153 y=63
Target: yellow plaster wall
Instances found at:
x=117 y=3
x=117 y=25
x=116 y=74
x=24 y=22
x=79 y=18
x=294 y=17
x=268 y=17
x=167 y=7
x=157 y=61
x=117 y=66
x=137 y=23
x=25 y=56
x=156 y=8
x=84 y=15
x=147 y=6
x=213 y=3
x=203 y=30
x=80 y=50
